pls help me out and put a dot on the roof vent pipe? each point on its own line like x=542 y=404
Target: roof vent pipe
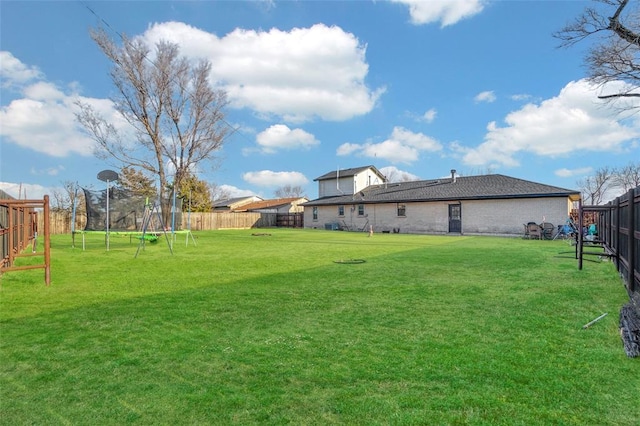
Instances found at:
x=453 y=175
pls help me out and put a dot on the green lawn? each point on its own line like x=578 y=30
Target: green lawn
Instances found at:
x=268 y=329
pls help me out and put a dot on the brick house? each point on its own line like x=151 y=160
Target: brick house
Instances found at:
x=357 y=198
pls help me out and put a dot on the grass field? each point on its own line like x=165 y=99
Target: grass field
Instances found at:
x=268 y=329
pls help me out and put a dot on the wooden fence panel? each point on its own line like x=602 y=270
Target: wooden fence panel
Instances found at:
x=290 y=220
x=208 y=221
x=61 y=221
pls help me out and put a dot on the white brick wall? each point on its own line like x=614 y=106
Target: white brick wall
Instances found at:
x=492 y=217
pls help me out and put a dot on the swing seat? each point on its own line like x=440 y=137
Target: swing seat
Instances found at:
x=152 y=238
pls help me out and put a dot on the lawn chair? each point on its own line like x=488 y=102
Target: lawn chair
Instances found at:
x=547 y=230
x=567 y=231
x=562 y=232
x=534 y=231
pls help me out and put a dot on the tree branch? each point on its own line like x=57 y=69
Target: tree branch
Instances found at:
x=620 y=95
x=623 y=32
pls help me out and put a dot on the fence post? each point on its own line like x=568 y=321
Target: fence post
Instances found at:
x=616 y=232
x=579 y=242
x=47 y=242
x=631 y=242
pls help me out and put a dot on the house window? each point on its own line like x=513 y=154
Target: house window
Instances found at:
x=402 y=209
x=315 y=213
x=360 y=209
x=340 y=210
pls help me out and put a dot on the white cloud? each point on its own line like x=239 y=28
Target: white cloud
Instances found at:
x=565 y=173
x=347 y=149
x=520 y=97
x=429 y=116
x=393 y=174
x=234 y=192
x=574 y=121
x=14 y=73
x=280 y=136
x=44 y=126
x=297 y=75
x=447 y=12
x=26 y=190
x=487 y=96
x=267 y=178
x=51 y=171
x=403 y=146
x=43 y=119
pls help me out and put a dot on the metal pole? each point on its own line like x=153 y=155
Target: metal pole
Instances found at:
x=47 y=243
x=590 y=323
x=73 y=216
x=579 y=242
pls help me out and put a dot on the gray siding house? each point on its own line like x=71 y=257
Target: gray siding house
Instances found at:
x=359 y=198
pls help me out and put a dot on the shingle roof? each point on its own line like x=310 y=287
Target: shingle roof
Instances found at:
x=462 y=188
x=5 y=196
x=268 y=203
x=346 y=172
x=231 y=201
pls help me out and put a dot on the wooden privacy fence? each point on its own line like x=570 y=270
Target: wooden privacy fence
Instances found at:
x=290 y=220
x=207 y=221
x=61 y=221
x=19 y=225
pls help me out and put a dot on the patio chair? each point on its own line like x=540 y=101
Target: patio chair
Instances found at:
x=534 y=231
x=547 y=230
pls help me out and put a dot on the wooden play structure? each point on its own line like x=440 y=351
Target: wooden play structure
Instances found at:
x=19 y=235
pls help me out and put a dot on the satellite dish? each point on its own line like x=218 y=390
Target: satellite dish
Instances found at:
x=108 y=176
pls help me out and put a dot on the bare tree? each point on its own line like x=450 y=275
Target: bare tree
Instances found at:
x=394 y=175
x=481 y=171
x=63 y=198
x=218 y=193
x=288 y=191
x=617 y=56
x=177 y=117
x=627 y=177
x=594 y=188
x=59 y=200
x=66 y=198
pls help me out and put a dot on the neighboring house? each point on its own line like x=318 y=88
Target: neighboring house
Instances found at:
x=487 y=204
x=279 y=205
x=231 y=204
x=5 y=196
x=348 y=181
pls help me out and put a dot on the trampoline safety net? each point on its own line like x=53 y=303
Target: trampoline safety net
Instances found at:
x=126 y=210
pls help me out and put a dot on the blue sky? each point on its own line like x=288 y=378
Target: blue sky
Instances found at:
x=413 y=88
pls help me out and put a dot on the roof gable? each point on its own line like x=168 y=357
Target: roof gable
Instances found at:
x=349 y=172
